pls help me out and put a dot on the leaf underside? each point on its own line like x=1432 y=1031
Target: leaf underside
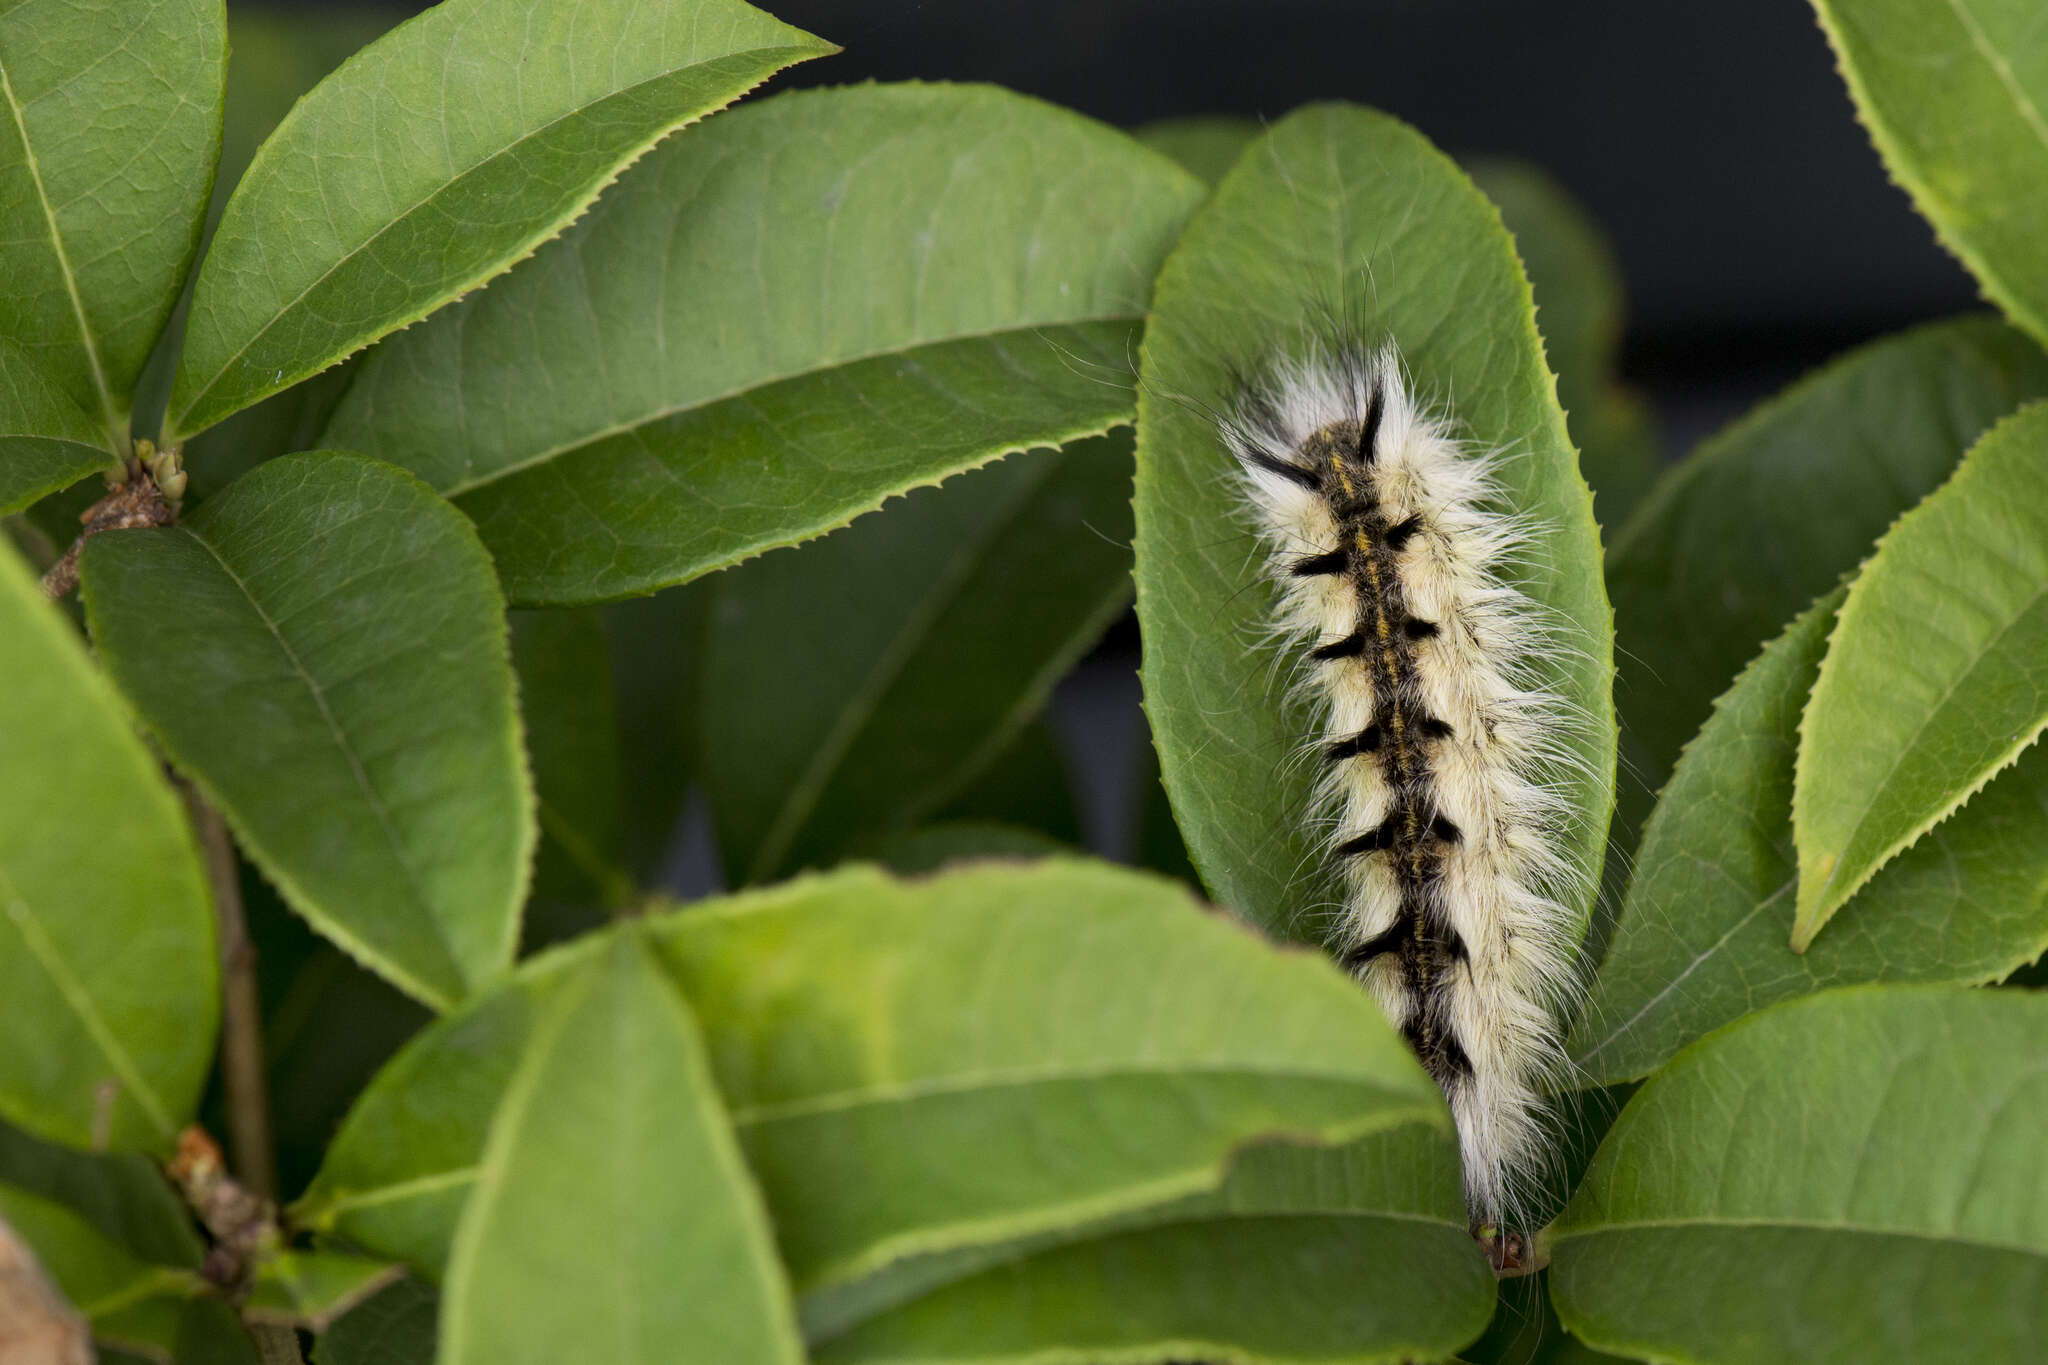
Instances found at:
x=945 y=619
x=890 y=1115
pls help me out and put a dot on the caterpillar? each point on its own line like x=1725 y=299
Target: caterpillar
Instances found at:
x=1389 y=547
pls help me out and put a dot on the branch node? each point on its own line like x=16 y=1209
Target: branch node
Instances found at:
x=147 y=495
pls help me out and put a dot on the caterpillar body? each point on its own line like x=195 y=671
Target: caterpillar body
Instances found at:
x=1439 y=748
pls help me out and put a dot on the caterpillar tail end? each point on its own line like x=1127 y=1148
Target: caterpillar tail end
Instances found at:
x=1511 y=1254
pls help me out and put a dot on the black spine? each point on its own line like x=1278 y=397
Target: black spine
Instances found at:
x=1414 y=837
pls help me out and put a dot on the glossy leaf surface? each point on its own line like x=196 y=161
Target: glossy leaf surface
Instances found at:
x=897 y=1094
x=108 y=142
x=322 y=647
x=1768 y=514
x=1702 y=938
x=1952 y=92
x=435 y=158
x=774 y=324
x=852 y=686
x=106 y=931
x=1936 y=676
x=1363 y=195
x=612 y=1216
x=47 y=441
x=1358 y=1253
x=1849 y=1177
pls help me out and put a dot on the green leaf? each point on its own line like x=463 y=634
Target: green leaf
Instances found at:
x=612 y=1216
x=943 y=622
x=106 y=933
x=124 y=1199
x=1952 y=92
x=1577 y=285
x=1156 y=837
x=107 y=152
x=1702 y=937
x=286 y=421
x=1331 y=196
x=124 y=1196
x=931 y=847
x=312 y=1288
x=657 y=652
x=209 y=1333
x=46 y=440
x=323 y=649
x=1765 y=517
x=197 y=1332
x=1408 y=1173
x=274 y=57
x=126 y=1299
x=1851 y=1177
x=1359 y=1253
x=1525 y=1331
x=926 y=1065
x=332 y=1026
x=808 y=306
x=1936 y=676
x=1026 y=786
x=1576 y=281
x=395 y=1327
x=572 y=731
x=435 y=158
x=401 y=1165
x=32 y=467
x=1207 y=145
x=927 y=1121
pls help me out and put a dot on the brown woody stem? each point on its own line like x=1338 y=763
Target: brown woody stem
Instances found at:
x=276 y=1345
x=138 y=501
x=241 y=1034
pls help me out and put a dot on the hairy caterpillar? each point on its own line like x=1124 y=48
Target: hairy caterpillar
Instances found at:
x=1439 y=749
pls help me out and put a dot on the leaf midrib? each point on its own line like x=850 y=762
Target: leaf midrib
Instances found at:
x=2002 y=69
x=829 y=755
x=368 y=789
x=1911 y=747
x=37 y=939
x=436 y=1182
x=1709 y=951
x=508 y=1121
x=1022 y=1077
x=755 y=385
x=614 y=886
x=28 y=151
x=149 y=1283
x=550 y=230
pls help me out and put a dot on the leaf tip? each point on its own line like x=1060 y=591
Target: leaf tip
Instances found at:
x=1815 y=906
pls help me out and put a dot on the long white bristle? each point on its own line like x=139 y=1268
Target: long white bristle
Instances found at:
x=1388 y=542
